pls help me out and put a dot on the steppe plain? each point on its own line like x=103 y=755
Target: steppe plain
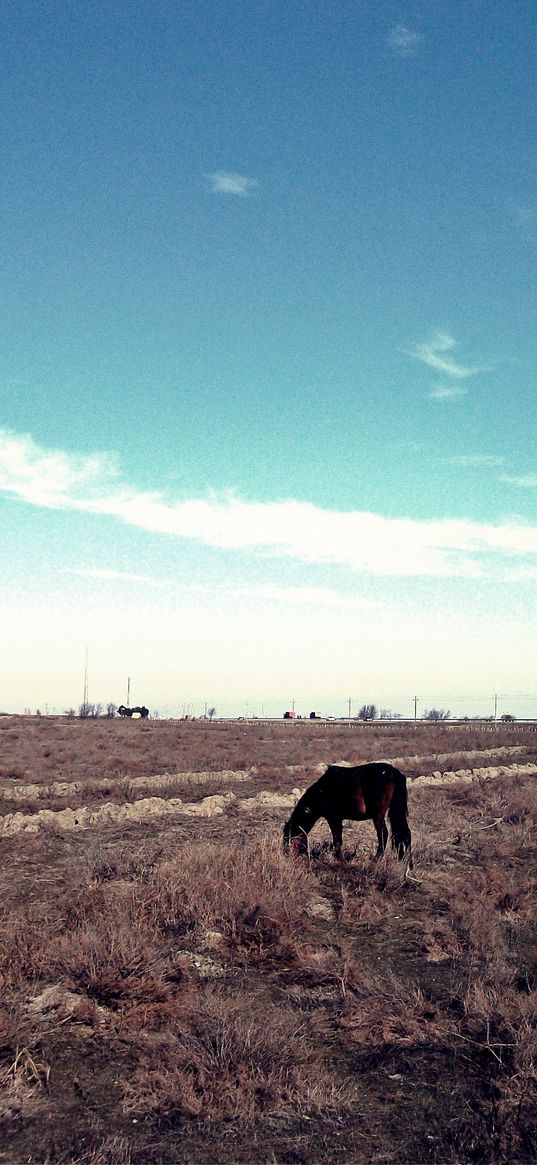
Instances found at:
x=176 y=989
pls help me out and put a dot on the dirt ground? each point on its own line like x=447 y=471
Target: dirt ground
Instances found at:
x=177 y=989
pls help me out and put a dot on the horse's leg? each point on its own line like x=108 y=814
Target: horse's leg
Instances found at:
x=336 y=828
x=382 y=834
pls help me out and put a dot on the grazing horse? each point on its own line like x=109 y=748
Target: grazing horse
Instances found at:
x=366 y=792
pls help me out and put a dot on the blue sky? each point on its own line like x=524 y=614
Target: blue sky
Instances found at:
x=268 y=353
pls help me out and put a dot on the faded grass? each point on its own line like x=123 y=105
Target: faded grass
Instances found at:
x=405 y=1018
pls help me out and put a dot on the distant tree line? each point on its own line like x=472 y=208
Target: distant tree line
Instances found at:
x=91 y=712
x=371 y=712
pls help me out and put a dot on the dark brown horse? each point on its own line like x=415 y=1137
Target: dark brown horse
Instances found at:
x=366 y=792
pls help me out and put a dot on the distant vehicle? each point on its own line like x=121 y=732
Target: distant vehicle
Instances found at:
x=142 y=711
x=315 y=716
x=290 y=716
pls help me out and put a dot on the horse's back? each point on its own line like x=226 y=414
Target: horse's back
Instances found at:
x=339 y=783
x=372 y=773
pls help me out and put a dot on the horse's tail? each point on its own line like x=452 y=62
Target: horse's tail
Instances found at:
x=398 y=817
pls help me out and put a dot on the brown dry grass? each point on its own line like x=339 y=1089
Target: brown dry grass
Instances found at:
x=46 y=749
x=168 y=993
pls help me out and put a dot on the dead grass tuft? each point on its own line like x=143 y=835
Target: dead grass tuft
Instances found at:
x=22 y=949
x=113 y=1150
x=229 y=1063
x=252 y=893
x=383 y=1010
x=22 y=1084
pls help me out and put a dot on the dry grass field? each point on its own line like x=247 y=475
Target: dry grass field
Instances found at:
x=176 y=989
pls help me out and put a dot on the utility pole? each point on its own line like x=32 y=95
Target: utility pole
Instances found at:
x=416 y=708
x=495 y=707
x=129 y=692
x=86 y=697
x=350 y=706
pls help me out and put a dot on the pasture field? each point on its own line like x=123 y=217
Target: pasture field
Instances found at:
x=177 y=989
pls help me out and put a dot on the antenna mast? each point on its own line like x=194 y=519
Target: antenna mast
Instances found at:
x=86 y=695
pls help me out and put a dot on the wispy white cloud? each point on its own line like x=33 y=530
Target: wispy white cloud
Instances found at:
x=308 y=596
x=224 y=182
x=434 y=354
x=479 y=460
x=447 y=392
x=360 y=541
x=524 y=481
x=122 y=576
x=404 y=41
x=289 y=596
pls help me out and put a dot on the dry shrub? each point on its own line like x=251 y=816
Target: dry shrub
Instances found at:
x=520 y=804
x=229 y=1063
x=86 y=902
x=491 y=1028
x=112 y=1150
x=503 y=1020
x=440 y=942
x=116 y=862
x=119 y=791
x=113 y=954
x=114 y=941
x=514 y=841
x=23 y=1083
x=492 y=912
x=107 y=964
x=499 y=1023
x=254 y=893
x=8 y=1029
x=371 y=891
x=469 y=925
x=390 y=875
x=382 y=1009
x=23 y=949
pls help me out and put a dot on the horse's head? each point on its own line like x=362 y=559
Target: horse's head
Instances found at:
x=296 y=829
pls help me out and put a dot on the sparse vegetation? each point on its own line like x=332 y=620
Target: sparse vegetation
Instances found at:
x=368 y=712
x=180 y=990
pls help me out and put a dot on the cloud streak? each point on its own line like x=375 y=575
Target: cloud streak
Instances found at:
x=525 y=481
x=224 y=182
x=359 y=541
x=448 y=392
x=404 y=41
x=308 y=596
x=476 y=460
x=122 y=576
x=287 y=595
x=435 y=354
